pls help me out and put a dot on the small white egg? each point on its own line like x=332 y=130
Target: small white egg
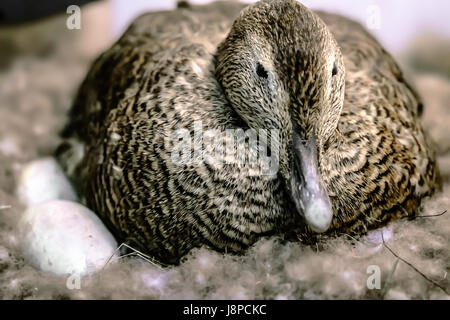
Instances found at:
x=63 y=237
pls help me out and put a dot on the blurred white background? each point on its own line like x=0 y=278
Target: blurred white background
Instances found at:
x=395 y=23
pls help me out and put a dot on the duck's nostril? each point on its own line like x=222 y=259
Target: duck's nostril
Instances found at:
x=335 y=70
x=261 y=71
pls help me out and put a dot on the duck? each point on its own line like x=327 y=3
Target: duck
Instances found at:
x=341 y=149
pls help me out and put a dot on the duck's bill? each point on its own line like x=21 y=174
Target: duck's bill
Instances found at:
x=306 y=186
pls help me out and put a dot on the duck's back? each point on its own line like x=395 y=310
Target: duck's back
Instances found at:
x=162 y=49
x=154 y=41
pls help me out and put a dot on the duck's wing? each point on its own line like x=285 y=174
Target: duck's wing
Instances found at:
x=151 y=40
x=152 y=34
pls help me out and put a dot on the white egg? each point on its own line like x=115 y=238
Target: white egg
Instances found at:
x=64 y=237
x=42 y=180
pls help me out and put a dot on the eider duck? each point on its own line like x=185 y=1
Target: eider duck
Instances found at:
x=342 y=126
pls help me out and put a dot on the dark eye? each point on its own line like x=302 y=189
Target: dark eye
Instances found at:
x=261 y=72
x=334 y=72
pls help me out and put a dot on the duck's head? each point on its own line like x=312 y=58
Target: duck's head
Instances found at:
x=281 y=68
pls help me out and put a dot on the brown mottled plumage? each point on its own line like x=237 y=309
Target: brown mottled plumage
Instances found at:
x=281 y=67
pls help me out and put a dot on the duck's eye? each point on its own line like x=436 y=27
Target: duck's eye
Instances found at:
x=335 y=70
x=261 y=72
